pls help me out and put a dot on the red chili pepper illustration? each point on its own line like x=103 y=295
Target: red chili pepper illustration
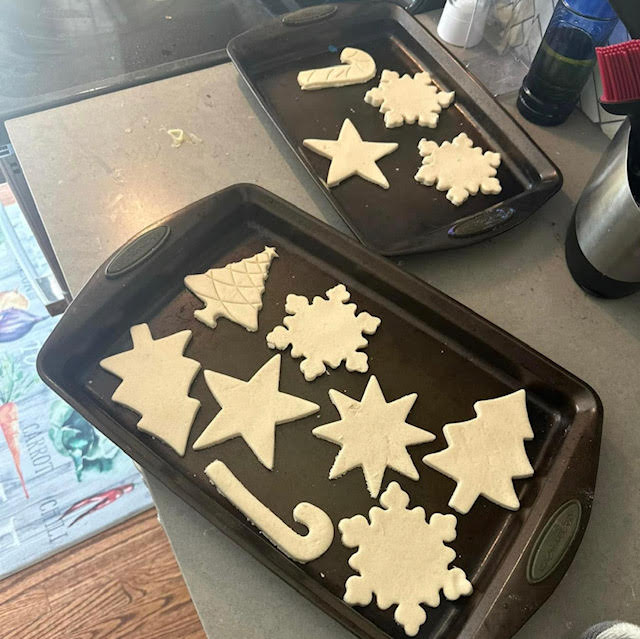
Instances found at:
x=100 y=500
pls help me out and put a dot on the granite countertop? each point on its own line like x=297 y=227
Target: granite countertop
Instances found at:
x=103 y=169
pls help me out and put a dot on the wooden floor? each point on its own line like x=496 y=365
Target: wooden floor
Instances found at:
x=123 y=583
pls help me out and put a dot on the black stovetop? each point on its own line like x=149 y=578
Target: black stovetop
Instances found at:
x=55 y=51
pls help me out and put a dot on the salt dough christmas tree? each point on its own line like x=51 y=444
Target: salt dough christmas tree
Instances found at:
x=402 y=559
x=485 y=454
x=156 y=379
x=233 y=291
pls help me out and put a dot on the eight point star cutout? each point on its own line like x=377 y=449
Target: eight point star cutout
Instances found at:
x=373 y=434
x=349 y=156
x=252 y=410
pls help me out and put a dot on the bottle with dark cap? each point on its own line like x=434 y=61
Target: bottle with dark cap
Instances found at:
x=565 y=59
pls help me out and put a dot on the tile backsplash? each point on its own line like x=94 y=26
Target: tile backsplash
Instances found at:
x=519 y=26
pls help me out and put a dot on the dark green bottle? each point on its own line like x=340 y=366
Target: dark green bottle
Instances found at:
x=565 y=59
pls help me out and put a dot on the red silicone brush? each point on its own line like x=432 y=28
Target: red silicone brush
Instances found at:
x=620 y=73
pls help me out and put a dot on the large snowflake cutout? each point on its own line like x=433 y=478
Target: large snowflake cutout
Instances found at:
x=459 y=168
x=373 y=434
x=402 y=559
x=325 y=331
x=406 y=99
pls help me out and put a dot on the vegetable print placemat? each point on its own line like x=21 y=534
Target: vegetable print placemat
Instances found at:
x=61 y=481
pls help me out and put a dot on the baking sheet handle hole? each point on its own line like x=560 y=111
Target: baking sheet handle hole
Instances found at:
x=554 y=541
x=137 y=251
x=483 y=222
x=309 y=15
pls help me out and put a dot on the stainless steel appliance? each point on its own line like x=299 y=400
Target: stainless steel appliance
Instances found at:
x=603 y=242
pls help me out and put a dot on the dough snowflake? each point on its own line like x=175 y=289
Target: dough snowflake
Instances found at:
x=402 y=559
x=234 y=291
x=327 y=331
x=373 y=434
x=485 y=454
x=459 y=168
x=156 y=378
x=252 y=410
x=406 y=99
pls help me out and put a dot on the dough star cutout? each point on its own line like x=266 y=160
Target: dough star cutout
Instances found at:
x=406 y=99
x=349 y=156
x=402 y=559
x=156 y=379
x=485 y=454
x=459 y=168
x=373 y=434
x=252 y=410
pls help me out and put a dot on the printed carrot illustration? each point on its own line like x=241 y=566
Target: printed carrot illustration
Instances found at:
x=13 y=384
x=100 y=500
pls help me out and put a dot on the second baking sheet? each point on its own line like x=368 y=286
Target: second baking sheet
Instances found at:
x=408 y=217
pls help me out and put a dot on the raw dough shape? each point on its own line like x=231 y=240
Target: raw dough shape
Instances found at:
x=373 y=434
x=486 y=453
x=402 y=559
x=252 y=410
x=406 y=99
x=459 y=168
x=327 y=331
x=349 y=156
x=233 y=291
x=301 y=548
x=156 y=379
x=357 y=67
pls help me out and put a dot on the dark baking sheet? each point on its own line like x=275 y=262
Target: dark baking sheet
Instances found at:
x=408 y=217
x=427 y=343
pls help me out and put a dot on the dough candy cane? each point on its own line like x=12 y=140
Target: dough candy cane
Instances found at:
x=358 y=67
x=301 y=548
